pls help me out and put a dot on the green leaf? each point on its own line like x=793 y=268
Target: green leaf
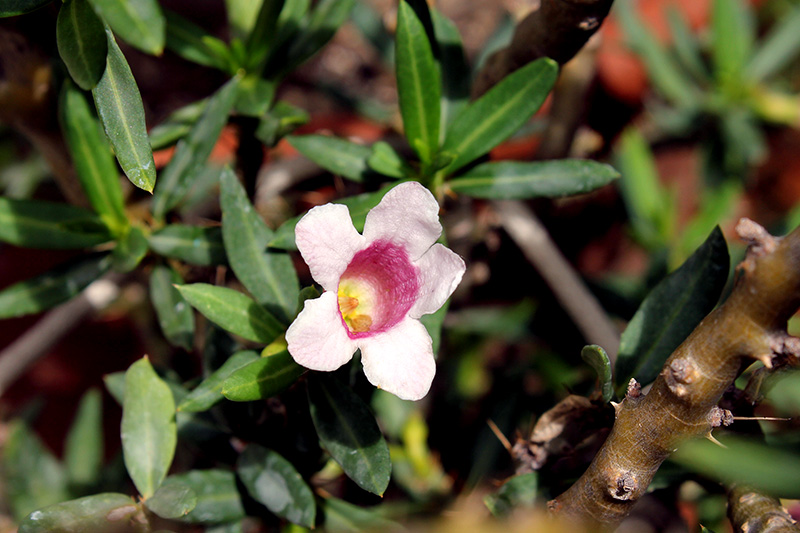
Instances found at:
x=99 y=513
x=242 y=16
x=261 y=38
x=172 y=500
x=456 y=74
x=419 y=86
x=664 y=73
x=194 y=244
x=177 y=125
x=671 y=311
x=338 y=156
x=598 y=359
x=517 y=179
x=192 y=43
x=129 y=251
x=519 y=491
x=386 y=161
x=52 y=288
x=32 y=476
x=209 y=392
x=349 y=432
x=233 y=311
x=92 y=157
x=218 y=499
x=82 y=44
x=49 y=225
x=121 y=111
x=768 y=469
x=687 y=47
x=140 y=23
x=281 y=120
x=262 y=379
x=496 y=115
x=776 y=50
x=268 y=275
x=10 y=8
x=324 y=21
x=343 y=516
x=358 y=205
x=83 y=448
x=273 y=481
x=732 y=36
x=175 y=315
x=149 y=433
x=255 y=96
x=193 y=150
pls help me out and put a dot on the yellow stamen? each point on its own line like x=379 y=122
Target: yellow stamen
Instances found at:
x=347 y=304
x=360 y=323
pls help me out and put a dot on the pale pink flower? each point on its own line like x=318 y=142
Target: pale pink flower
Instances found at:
x=377 y=286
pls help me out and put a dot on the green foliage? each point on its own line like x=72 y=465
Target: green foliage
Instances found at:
x=173 y=500
x=174 y=313
x=101 y=513
x=262 y=378
x=519 y=491
x=38 y=224
x=82 y=42
x=345 y=158
x=140 y=23
x=209 y=391
x=19 y=7
x=83 y=448
x=598 y=359
x=196 y=245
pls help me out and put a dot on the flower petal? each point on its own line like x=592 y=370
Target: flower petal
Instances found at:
x=440 y=272
x=328 y=241
x=400 y=360
x=408 y=216
x=317 y=338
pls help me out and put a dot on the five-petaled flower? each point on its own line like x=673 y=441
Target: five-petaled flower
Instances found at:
x=377 y=286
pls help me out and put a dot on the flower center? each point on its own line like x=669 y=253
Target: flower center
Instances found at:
x=377 y=289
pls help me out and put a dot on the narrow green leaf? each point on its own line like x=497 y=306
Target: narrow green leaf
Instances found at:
x=744 y=461
x=598 y=359
x=129 y=251
x=191 y=42
x=732 y=36
x=343 y=516
x=328 y=16
x=49 y=225
x=193 y=150
x=218 y=499
x=687 y=46
x=358 y=205
x=338 y=156
x=386 y=161
x=121 y=111
x=140 y=23
x=664 y=73
x=273 y=481
x=293 y=18
x=99 y=513
x=83 y=448
x=175 y=315
x=549 y=179
x=456 y=75
x=349 y=432
x=242 y=16
x=261 y=38
x=233 y=311
x=115 y=385
x=519 y=491
x=496 y=115
x=177 y=125
x=52 y=288
x=149 y=433
x=281 y=120
x=194 y=244
x=419 y=86
x=209 y=392
x=10 y=8
x=671 y=311
x=172 y=500
x=255 y=96
x=262 y=379
x=268 y=275
x=33 y=477
x=779 y=46
x=92 y=156
x=82 y=44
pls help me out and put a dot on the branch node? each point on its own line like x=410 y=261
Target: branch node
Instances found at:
x=678 y=374
x=719 y=417
x=634 y=390
x=623 y=486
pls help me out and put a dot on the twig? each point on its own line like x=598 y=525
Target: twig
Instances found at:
x=530 y=235
x=751 y=511
x=35 y=342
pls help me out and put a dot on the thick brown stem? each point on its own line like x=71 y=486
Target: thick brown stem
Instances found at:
x=557 y=29
x=682 y=403
x=752 y=512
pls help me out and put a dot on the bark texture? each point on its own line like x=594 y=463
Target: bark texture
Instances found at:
x=752 y=512
x=682 y=403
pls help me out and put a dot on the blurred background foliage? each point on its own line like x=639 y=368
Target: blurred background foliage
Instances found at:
x=281 y=106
